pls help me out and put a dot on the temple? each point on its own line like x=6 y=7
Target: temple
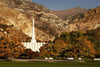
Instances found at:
x=33 y=45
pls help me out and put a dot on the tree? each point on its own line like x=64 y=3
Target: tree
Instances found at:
x=53 y=50
x=94 y=36
x=10 y=47
x=76 y=45
x=72 y=44
x=46 y=51
x=70 y=37
x=81 y=48
x=58 y=47
x=29 y=54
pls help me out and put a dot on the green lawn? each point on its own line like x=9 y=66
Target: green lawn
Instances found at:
x=47 y=64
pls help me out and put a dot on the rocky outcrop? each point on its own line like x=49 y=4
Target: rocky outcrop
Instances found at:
x=16 y=18
x=91 y=20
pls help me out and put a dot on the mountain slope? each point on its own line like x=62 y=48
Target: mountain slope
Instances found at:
x=19 y=14
x=70 y=12
x=91 y=20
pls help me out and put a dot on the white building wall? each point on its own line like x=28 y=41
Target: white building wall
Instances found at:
x=33 y=46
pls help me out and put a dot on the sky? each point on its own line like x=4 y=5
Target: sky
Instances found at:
x=67 y=4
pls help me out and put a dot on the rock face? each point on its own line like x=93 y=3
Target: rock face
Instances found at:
x=19 y=14
x=16 y=18
x=91 y=20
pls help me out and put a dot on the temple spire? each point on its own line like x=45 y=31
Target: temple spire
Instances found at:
x=33 y=33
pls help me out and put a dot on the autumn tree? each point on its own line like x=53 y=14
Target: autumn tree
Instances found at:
x=10 y=47
x=94 y=37
x=58 y=47
x=72 y=44
x=81 y=48
x=45 y=51
x=29 y=54
x=77 y=45
x=53 y=49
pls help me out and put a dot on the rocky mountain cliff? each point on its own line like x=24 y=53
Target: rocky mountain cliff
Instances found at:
x=13 y=22
x=90 y=20
x=18 y=15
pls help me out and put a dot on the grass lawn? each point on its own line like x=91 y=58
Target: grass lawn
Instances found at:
x=46 y=64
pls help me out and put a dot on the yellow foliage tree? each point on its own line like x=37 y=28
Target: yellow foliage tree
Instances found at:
x=81 y=48
x=10 y=47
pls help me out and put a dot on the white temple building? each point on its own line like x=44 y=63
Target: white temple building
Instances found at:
x=33 y=45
